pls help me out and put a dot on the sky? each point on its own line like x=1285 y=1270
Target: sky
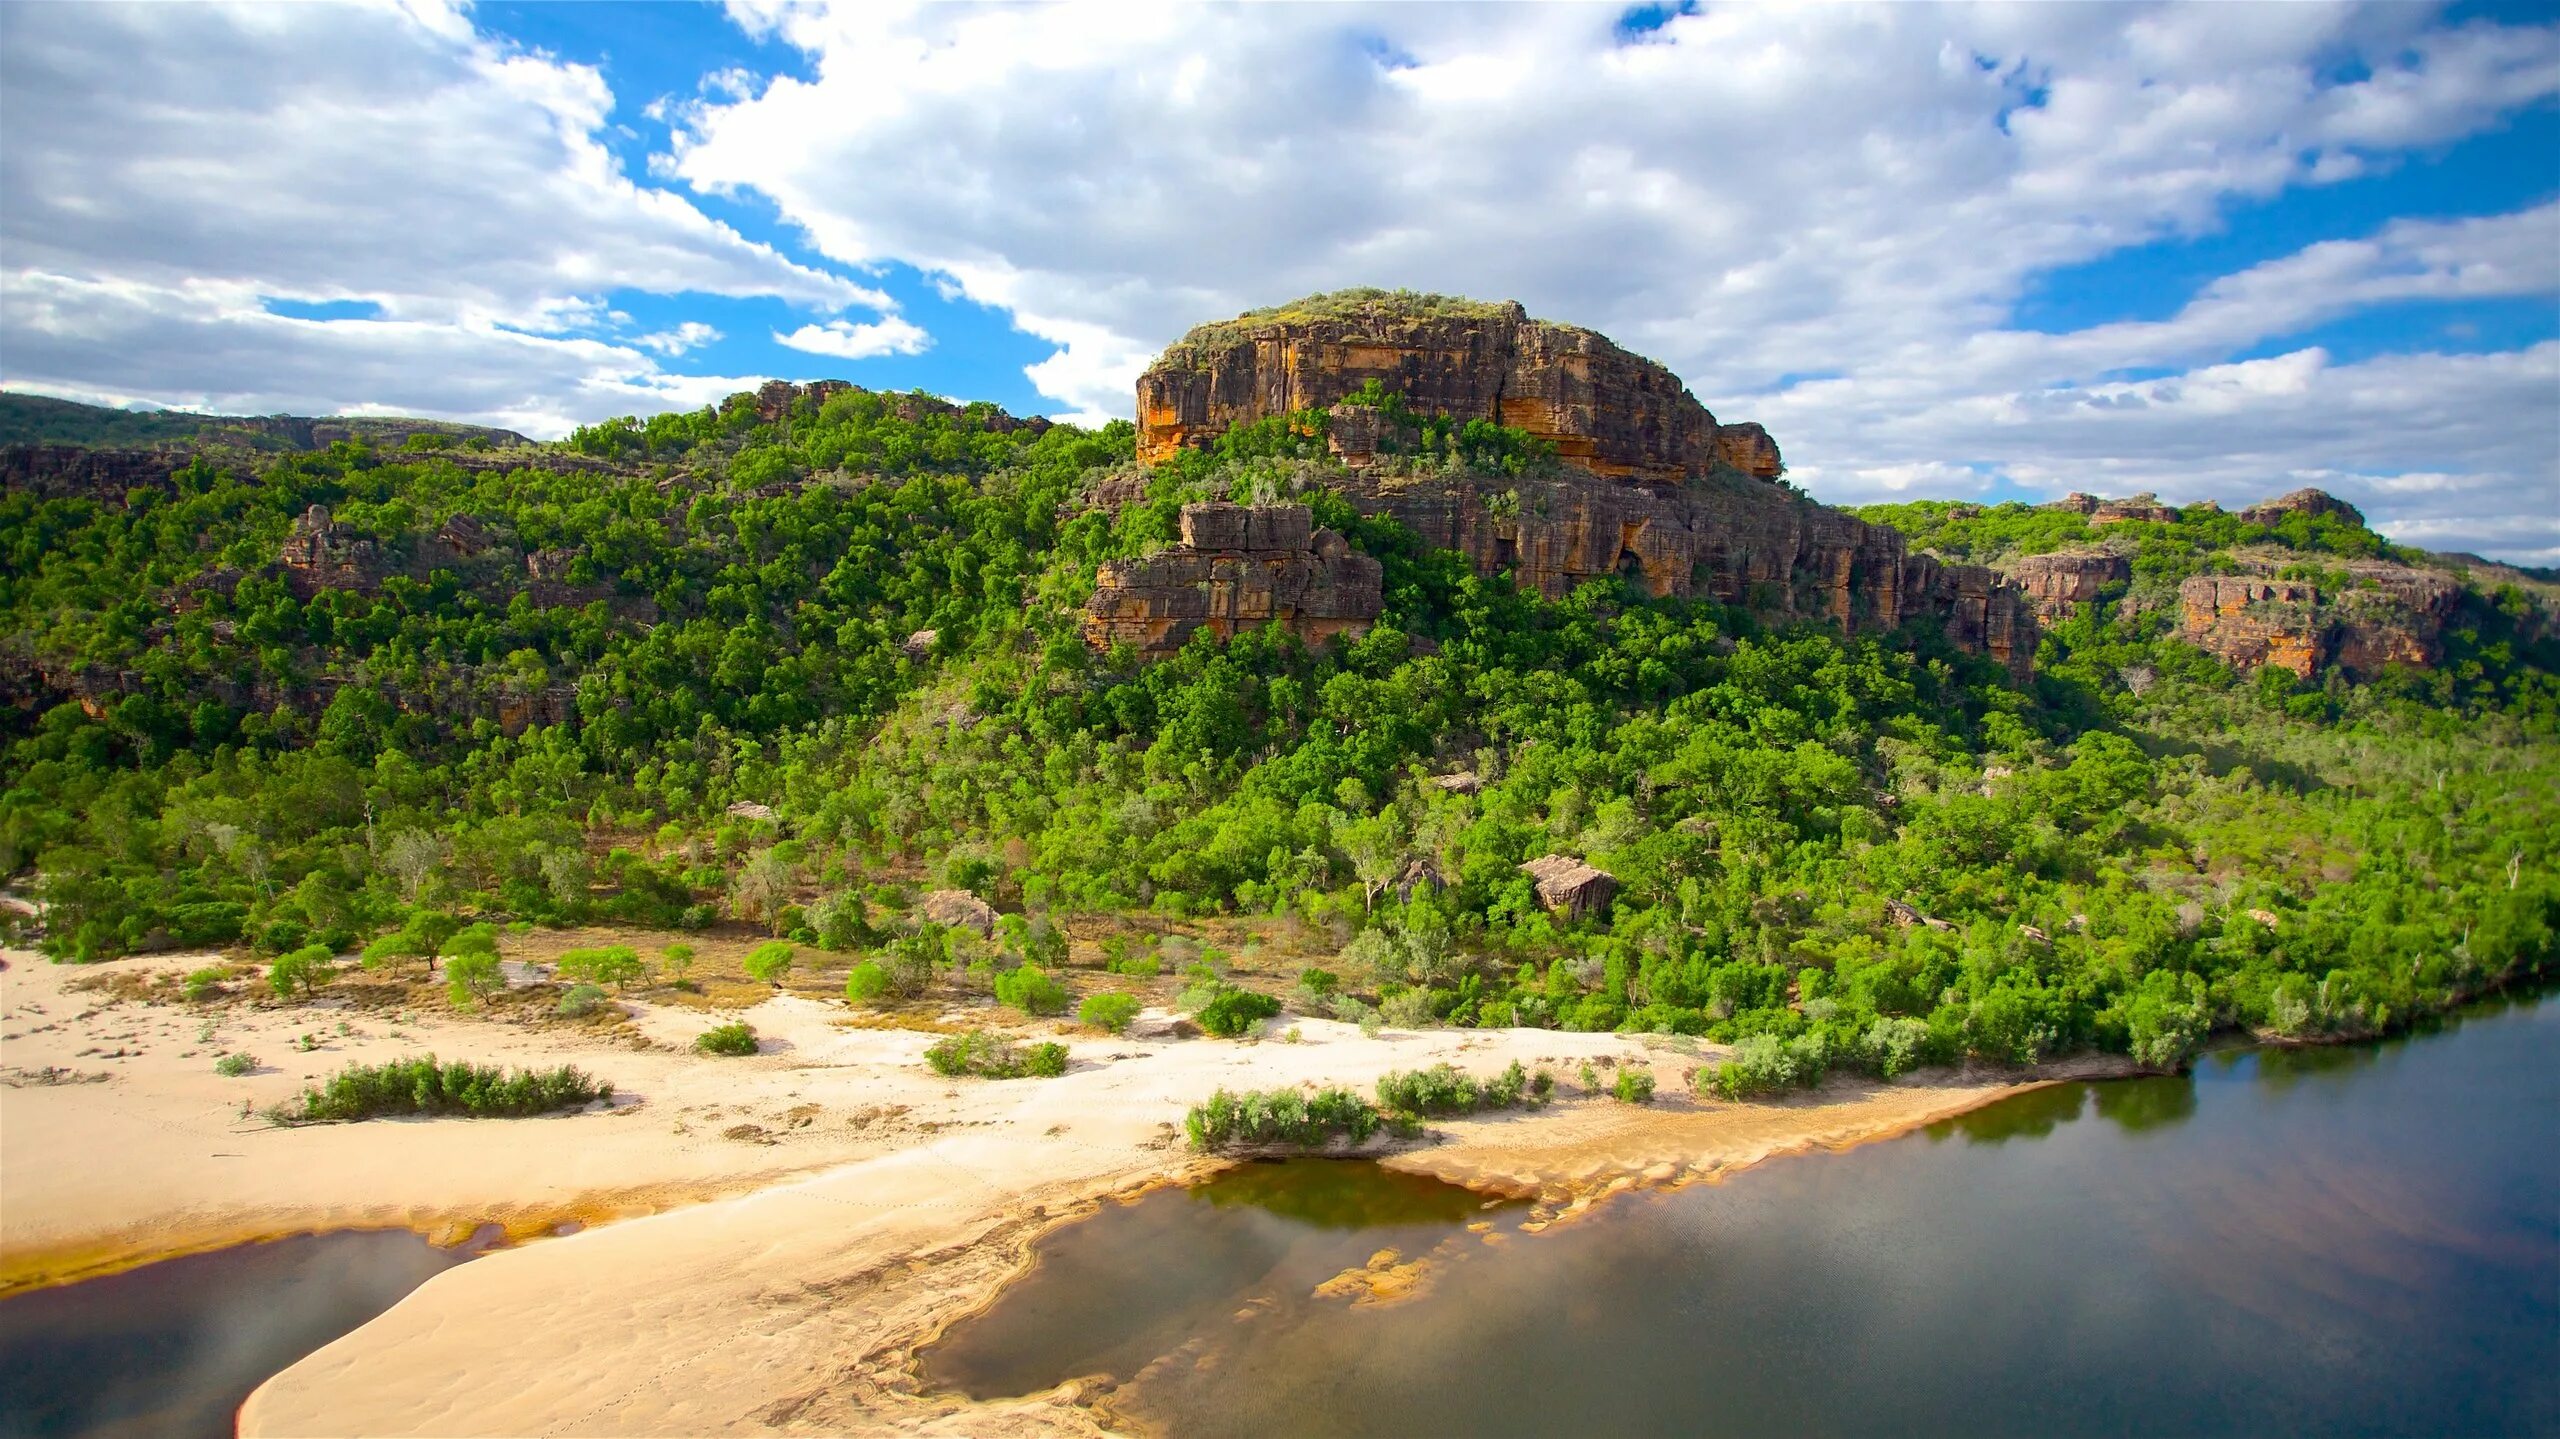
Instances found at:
x=1942 y=252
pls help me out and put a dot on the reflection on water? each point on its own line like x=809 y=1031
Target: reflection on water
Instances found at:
x=174 y=1348
x=2358 y=1239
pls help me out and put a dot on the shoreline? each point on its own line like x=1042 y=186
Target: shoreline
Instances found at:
x=789 y=1229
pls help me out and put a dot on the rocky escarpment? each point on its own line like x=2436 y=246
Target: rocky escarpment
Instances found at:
x=1605 y=410
x=2060 y=583
x=1650 y=485
x=2383 y=614
x=1238 y=567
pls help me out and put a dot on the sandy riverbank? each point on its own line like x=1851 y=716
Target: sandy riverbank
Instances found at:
x=868 y=1202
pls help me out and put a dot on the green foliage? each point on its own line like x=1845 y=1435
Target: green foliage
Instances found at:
x=768 y=963
x=1032 y=991
x=422 y=1086
x=614 y=964
x=987 y=1055
x=1230 y=1012
x=471 y=976
x=232 y=1066
x=302 y=972
x=676 y=961
x=866 y=982
x=1766 y=1064
x=203 y=984
x=734 y=1038
x=1280 y=1117
x=1110 y=1011
x=1634 y=1085
x=580 y=1001
x=1444 y=1089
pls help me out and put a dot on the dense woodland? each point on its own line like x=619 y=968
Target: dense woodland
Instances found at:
x=1865 y=851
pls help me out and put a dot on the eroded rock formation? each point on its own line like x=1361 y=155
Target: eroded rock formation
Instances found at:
x=1604 y=409
x=2060 y=583
x=2386 y=614
x=1651 y=486
x=2302 y=502
x=1238 y=567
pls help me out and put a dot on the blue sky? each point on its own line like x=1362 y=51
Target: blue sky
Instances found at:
x=1944 y=251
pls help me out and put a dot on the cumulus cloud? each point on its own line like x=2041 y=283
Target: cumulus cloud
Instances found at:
x=691 y=335
x=849 y=341
x=162 y=166
x=1750 y=194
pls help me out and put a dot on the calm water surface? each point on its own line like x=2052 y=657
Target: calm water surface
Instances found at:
x=2358 y=1240
x=174 y=1348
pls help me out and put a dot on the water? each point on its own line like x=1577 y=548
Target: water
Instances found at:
x=2343 y=1241
x=174 y=1348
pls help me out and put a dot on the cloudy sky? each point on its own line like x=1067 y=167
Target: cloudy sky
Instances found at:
x=1984 y=252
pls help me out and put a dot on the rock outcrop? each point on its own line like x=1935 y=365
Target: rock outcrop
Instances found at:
x=2062 y=582
x=1238 y=567
x=1650 y=486
x=64 y=472
x=2302 y=502
x=2386 y=614
x=1604 y=409
x=322 y=554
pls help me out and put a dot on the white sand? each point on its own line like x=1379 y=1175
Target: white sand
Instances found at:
x=792 y=1306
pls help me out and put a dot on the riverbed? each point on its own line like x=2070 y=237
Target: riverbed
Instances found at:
x=2351 y=1239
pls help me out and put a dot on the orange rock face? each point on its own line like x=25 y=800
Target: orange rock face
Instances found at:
x=1606 y=410
x=2060 y=583
x=2388 y=614
x=2248 y=621
x=1238 y=567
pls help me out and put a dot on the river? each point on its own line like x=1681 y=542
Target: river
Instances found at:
x=2360 y=1239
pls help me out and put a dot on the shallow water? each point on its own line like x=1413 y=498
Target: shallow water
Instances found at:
x=2347 y=1240
x=174 y=1348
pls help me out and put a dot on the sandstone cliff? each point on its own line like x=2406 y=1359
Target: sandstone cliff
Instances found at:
x=1237 y=567
x=2062 y=582
x=1650 y=486
x=2384 y=614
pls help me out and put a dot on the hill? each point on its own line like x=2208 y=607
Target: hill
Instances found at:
x=38 y=420
x=1465 y=659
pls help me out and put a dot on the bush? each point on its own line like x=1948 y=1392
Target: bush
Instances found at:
x=1032 y=991
x=204 y=984
x=581 y=1001
x=472 y=976
x=1444 y=1089
x=992 y=1056
x=1233 y=1012
x=1110 y=1012
x=422 y=1086
x=1409 y=1009
x=306 y=969
x=1316 y=989
x=1765 y=1064
x=232 y=1066
x=1895 y=1046
x=734 y=1038
x=614 y=964
x=867 y=982
x=1634 y=1085
x=676 y=961
x=1280 y=1116
x=767 y=963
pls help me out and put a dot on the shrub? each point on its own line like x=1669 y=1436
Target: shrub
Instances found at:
x=992 y=1056
x=204 y=984
x=1316 y=989
x=232 y=1066
x=910 y=962
x=867 y=982
x=1765 y=1064
x=1233 y=1012
x=472 y=976
x=676 y=961
x=1280 y=1116
x=1894 y=1045
x=1634 y=1086
x=767 y=963
x=581 y=1001
x=614 y=964
x=1032 y=991
x=306 y=969
x=738 y=1037
x=422 y=1086
x=1110 y=1012
x=1408 y=1009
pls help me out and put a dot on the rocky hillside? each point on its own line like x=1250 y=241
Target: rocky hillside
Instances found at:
x=2299 y=582
x=1642 y=481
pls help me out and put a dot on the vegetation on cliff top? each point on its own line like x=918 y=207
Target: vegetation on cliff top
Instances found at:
x=1871 y=849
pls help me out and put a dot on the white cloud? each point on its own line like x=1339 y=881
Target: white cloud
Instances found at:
x=849 y=341
x=1749 y=193
x=162 y=166
x=691 y=335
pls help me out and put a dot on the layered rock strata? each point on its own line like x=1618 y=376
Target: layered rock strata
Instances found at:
x=1604 y=409
x=2059 y=584
x=2387 y=614
x=1238 y=567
